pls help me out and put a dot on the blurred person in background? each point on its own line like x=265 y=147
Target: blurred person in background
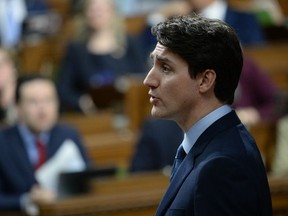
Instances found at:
x=255 y=96
x=20 y=19
x=101 y=53
x=37 y=5
x=156 y=146
x=8 y=75
x=12 y=16
x=27 y=147
x=41 y=20
x=245 y=23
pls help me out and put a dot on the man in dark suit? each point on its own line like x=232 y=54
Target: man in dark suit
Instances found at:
x=156 y=146
x=245 y=24
x=218 y=169
x=33 y=141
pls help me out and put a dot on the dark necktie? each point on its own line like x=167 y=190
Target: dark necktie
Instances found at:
x=41 y=150
x=180 y=155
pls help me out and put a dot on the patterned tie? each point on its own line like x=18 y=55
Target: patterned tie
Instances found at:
x=180 y=155
x=41 y=150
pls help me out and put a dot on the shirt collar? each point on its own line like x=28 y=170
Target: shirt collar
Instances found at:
x=30 y=138
x=200 y=126
x=215 y=10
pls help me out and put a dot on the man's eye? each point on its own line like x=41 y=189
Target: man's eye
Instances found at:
x=165 y=68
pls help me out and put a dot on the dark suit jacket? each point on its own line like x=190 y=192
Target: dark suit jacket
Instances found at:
x=246 y=26
x=157 y=145
x=16 y=171
x=223 y=174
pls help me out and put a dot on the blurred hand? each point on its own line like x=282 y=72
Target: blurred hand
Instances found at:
x=41 y=195
x=87 y=105
x=249 y=116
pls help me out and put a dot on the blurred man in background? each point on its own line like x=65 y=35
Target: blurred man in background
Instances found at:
x=31 y=144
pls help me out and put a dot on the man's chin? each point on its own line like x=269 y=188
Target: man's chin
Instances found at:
x=157 y=113
x=39 y=128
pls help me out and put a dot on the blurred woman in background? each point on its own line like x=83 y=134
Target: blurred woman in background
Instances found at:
x=101 y=53
x=8 y=76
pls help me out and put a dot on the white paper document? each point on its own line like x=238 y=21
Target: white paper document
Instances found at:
x=67 y=159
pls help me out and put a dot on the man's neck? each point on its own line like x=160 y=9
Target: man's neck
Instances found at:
x=195 y=115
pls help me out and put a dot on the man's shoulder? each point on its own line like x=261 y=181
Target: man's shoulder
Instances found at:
x=64 y=129
x=9 y=136
x=8 y=131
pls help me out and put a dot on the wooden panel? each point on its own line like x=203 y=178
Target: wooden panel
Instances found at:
x=141 y=203
x=137 y=105
x=135 y=195
x=265 y=135
x=284 y=7
x=139 y=194
x=279 y=192
x=93 y=124
x=132 y=183
x=135 y=24
x=34 y=56
x=61 y=7
x=273 y=59
x=114 y=148
x=244 y=5
x=12 y=214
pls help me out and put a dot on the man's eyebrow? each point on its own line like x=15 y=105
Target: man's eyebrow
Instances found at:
x=160 y=58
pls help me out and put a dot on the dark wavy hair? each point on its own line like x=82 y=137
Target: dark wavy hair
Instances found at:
x=205 y=44
x=22 y=80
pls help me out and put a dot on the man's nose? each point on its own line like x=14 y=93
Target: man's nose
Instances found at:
x=150 y=79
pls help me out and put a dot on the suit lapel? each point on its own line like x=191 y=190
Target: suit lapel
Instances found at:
x=21 y=158
x=175 y=184
x=54 y=142
x=187 y=165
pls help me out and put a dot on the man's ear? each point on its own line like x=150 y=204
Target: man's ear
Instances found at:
x=207 y=80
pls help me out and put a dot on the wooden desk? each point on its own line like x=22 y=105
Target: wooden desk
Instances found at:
x=264 y=134
x=12 y=214
x=279 y=193
x=94 y=124
x=139 y=195
x=125 y=204
x=111 y=148
x=134 y=183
